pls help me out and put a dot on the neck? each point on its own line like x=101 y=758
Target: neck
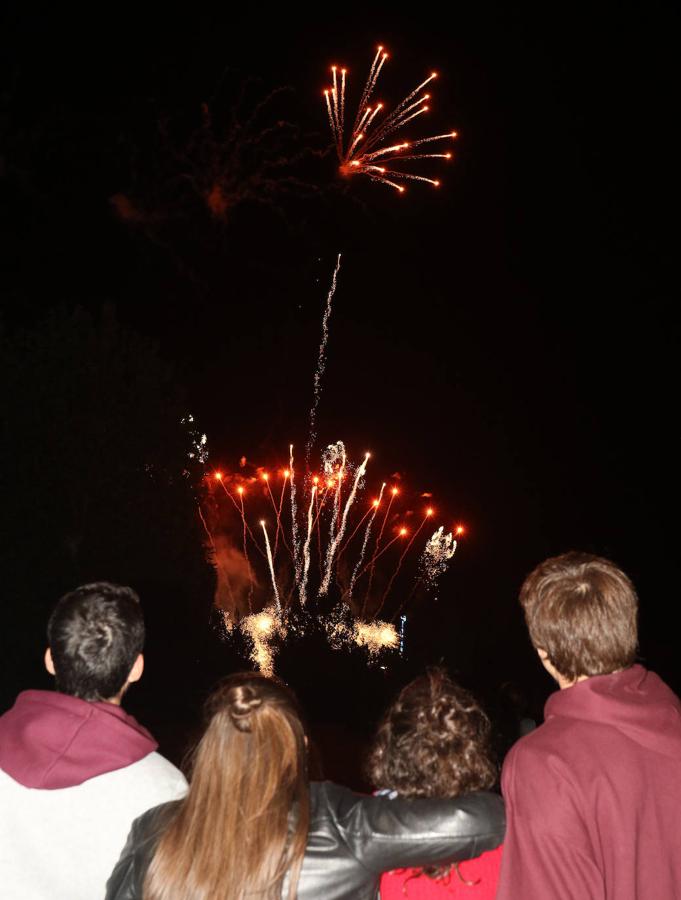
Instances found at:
x=564 y=683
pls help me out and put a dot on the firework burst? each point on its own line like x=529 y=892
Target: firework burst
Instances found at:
x=368 y=147
x=330 y=563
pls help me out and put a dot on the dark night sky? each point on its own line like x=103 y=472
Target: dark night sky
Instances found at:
x=507 y=341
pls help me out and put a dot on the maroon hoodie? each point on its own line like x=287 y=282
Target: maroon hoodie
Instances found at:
x=50 y=740
x=593 y=796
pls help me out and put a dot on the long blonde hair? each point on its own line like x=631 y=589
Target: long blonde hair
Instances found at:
x=242 y=828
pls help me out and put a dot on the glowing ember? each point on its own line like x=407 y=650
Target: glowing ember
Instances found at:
x=365 y=150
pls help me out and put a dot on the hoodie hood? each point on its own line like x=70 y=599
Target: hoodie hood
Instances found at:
x=634 y=701
x=50 y=740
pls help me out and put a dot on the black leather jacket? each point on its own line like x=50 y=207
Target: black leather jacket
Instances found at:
x=352 y=840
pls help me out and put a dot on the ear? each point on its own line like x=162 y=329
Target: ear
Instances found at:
x=137 y=669
x=49 y=664
x=543 y=655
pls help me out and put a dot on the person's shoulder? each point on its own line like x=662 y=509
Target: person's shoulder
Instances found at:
x=147 y=828
x=162 y=767
x=339 y=806
x=529 y=754
x=155 y=819
x=156 y=778
x=329 y=798
x=551 y=735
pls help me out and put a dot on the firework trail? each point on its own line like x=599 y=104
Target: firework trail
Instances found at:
x=279 y=527
x=294 y=519
x=367 y=534
x=248 y=562
x=277 y=513
x=365 y=152
x=239 y=509
x=429 y=513
x=372 y=509
x=306 y=546
x=333 y=546
x=321 y=365
x=333 y=460
x=271 y=565
x=393 y=493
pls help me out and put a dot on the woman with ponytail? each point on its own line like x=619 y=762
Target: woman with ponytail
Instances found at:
x=252 y=826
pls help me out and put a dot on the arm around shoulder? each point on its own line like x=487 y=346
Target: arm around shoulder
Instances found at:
x=386 y=834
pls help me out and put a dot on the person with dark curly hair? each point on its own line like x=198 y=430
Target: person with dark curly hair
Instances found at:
x=434 y=741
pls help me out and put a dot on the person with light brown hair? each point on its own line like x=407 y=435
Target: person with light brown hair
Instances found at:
x=434 y=741
x=253 y=826
x=593 y=795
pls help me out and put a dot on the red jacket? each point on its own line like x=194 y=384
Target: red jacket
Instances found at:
x=476 y=880
x=593 y=796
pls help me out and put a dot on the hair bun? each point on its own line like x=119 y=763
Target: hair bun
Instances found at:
x=244 y=702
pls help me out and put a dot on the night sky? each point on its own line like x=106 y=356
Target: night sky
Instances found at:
x=508 y=341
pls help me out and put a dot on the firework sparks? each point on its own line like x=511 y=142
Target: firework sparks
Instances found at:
x=434 y=561
x=261 y=628
x=365 y=150
x=293 y=583
x=376 y=636
x=438 y=552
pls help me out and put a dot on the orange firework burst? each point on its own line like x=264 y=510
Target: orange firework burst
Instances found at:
x=366 y=150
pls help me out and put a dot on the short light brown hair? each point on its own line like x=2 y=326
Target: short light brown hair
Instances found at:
x=582 y=610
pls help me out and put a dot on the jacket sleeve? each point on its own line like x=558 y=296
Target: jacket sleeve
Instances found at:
x=547 y=852
x=125 y=883
x=385 y=834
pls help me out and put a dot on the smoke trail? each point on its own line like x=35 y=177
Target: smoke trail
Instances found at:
x=321 y=364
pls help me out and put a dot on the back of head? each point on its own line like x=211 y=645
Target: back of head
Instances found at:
x=433 y=741
x=582 y=611
x=243 y=825
x=95 y=634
